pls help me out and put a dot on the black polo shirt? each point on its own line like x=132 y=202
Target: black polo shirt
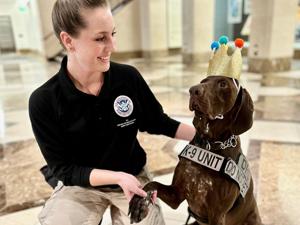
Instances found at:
x=78 y=132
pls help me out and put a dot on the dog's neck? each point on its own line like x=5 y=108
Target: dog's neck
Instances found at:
x=213 y=130
x=229 y=147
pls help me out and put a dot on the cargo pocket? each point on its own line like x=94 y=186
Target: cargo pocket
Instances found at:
x=50 y=203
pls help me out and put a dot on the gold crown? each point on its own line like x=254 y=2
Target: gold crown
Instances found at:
x=221 y=63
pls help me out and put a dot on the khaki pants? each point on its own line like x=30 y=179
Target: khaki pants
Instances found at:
x=74 y=205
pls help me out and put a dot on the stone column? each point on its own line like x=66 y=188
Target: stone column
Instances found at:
x=51 y=43
x=153 y=15
x=197 y=27
x=272 y=35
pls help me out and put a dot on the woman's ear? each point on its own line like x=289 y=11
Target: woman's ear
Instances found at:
x=66 y=40
x=244 y=118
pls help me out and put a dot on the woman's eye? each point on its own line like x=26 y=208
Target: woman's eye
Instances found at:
x=100 y=39
x=222 y=84
x=104 y=38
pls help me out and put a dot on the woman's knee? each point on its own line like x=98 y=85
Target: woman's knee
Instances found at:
x=73 y=207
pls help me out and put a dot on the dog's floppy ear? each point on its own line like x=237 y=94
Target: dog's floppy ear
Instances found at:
x=243 y=118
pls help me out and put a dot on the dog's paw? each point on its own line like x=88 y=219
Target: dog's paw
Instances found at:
x=139 y=207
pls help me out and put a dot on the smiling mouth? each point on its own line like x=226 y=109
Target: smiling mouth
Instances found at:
x=103 y=58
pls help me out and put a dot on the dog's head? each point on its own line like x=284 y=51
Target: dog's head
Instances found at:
x=220 y=107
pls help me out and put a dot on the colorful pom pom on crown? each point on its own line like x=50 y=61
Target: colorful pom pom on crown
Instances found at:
x=223 y=40
x=239 y=42
x=215 y=45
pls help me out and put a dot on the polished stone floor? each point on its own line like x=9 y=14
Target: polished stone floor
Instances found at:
x=272 y=145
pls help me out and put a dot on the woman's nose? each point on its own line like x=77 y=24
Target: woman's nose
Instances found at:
x=111 y=44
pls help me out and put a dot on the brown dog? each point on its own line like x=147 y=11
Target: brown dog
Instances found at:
x=222 y=111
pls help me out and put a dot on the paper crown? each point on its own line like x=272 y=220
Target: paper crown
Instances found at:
x=221 y=63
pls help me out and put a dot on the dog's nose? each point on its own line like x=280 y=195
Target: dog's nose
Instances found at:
x=195 y=90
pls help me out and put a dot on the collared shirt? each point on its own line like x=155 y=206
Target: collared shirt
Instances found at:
x=78 y=132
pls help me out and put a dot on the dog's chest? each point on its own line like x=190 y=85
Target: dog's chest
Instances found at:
x=197 y=182
x=201 y=185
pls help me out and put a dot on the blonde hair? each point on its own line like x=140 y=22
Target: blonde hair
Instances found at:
x=66 y=15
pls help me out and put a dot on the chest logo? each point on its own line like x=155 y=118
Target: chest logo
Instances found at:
x=123 y=106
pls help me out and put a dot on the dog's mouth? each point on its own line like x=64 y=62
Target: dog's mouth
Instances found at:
x=197 y=106
x=201 y=110
x=199 y=114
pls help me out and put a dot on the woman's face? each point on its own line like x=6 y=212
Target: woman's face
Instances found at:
x=95 y=43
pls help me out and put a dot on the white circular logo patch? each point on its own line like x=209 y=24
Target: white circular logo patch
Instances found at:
x=123 y=106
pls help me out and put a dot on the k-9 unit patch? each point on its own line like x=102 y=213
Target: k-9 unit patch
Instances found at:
x=123 y=106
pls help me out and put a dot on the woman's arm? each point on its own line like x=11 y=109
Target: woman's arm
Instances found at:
x=185 y=132
x=50 y=138
x=129 y=183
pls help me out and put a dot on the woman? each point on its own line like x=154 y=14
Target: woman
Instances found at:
x=86 y=117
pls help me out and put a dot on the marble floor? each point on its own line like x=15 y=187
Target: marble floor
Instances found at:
x=272 y=145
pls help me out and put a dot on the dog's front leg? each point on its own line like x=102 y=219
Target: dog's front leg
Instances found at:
x=138 y=206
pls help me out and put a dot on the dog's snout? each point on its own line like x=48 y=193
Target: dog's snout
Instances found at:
x=195 y=90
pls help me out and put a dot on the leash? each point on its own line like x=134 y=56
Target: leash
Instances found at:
x=196 y=217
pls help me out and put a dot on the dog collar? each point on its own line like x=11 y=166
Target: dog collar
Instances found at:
x=239 y=172
x=231 y=142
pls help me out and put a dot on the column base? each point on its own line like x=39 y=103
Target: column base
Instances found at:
x=195 y=58
x=126 y=55
x=2 y=195
x=269 y=65
x=149 y=55
x=1 y=151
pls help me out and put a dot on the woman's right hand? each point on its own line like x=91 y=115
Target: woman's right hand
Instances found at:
x=130 y=185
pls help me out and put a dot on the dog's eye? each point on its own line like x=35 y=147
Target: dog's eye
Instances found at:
x=222 y=84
